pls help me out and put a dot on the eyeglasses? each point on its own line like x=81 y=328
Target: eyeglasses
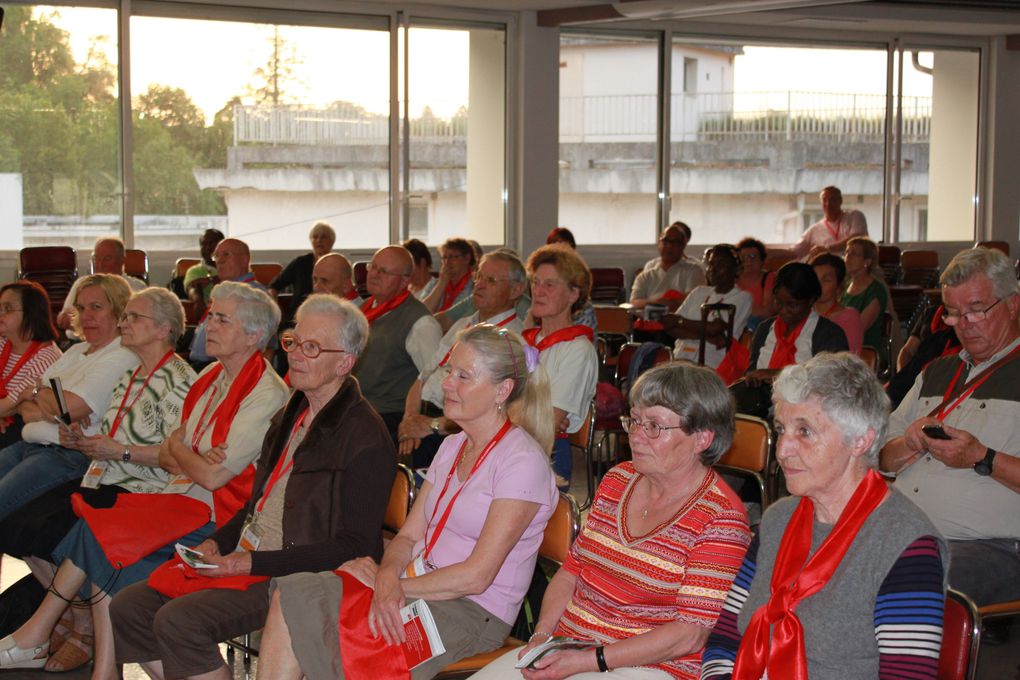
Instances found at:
x=311 y=349
x=975 y=316
x=373 y=267
x=489 y=280
x=131 y=317
x=9 y=309
x=651 y=428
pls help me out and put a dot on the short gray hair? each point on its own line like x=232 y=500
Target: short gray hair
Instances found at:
x=517 y=272
x=166 y=309
x=255 y=309
x=323 y=228
x=696 y=394
x=992 y=263
x=351 y=327
x=848 y=392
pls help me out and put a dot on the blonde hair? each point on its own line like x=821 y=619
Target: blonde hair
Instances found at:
x=115 y=289
x=502 y=354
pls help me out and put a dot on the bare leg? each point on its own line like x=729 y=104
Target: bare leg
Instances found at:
x=221 y=673
x=154 y=669
x=104 y=665
x=37 y=629
x=42 y=570
x=276 y=655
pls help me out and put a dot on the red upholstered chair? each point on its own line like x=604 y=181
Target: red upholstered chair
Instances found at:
x=961 y=637
x=55 y=268
x=607 y=285
x=361 y=278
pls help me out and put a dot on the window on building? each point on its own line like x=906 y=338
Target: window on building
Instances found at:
x=59 y=163
x=608 y=118
x=260 y=142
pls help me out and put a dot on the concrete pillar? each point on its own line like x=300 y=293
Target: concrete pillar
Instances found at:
x=953 y=155
x=486 y=138
x=1002 y=208
x=536 y=101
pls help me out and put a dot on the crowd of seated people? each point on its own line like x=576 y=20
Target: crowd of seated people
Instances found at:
x=280 y=487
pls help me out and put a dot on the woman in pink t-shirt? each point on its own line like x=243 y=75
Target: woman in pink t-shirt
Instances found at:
x=468 y=547
x=831 y=272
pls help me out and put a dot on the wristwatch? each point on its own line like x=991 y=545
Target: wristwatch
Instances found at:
x=984 y=466
x=434 y=426
x=126 y=455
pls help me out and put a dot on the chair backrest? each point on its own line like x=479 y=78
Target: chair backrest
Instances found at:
x=361 y=278
x=182 y=265
x=663 y=355
x=136 y=264
x=776 y=259
x=561 y=531
x=582 y=439
x=961 y=637
x=870 y=356
x=607 y=284
x=718 y=307
x=402 y=497
x=889 y=261
x=623 y=360
x=35 y=259
x=612 y=320
x=1001 y=246
x=920 y=268
x=751 y=453
x=265 y=272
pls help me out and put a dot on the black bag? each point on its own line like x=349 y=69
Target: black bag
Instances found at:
x=18 y=603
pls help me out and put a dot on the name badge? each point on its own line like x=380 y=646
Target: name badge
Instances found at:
x=417 y=567
x=250 y=539
x=178 y=484
x=94 y=475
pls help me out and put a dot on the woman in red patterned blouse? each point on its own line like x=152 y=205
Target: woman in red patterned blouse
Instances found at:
x=646 y=578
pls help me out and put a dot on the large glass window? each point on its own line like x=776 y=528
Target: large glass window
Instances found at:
x=766 y=128
x=59 y=163
x=261 y=141
x=456 y=111
x=608 y=114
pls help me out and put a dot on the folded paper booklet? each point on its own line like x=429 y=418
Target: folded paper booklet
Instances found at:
x=422 y=637
x=551 y=645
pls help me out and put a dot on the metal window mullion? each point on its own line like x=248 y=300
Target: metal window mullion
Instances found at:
x=127 y=180
x=662 y=142
x=395 y=146
x=887 y=231
x=898 y=176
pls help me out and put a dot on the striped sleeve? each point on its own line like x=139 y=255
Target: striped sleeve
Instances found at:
x=908 y=613
x=721 y=648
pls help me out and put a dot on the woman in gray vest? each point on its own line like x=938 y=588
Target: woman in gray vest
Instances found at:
x=846 y=579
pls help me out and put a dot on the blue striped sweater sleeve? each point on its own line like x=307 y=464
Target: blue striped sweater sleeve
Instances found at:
x=908 y=613
x=721 y=648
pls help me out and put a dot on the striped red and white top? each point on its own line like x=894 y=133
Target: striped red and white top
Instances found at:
x=681 y=571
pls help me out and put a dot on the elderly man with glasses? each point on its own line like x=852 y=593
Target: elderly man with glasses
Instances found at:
x=667 y=279
x=402 y=338
x=953 y=442
x=498 y=285
x=320 y=492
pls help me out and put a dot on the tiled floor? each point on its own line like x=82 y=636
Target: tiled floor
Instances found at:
x=995 y=663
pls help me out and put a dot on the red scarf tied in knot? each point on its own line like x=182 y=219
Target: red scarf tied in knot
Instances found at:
x=785 y=353
x=563 y=335
x=796 y=578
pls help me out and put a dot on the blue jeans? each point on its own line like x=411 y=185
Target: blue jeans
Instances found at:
x=29 y=470
x=563 y=460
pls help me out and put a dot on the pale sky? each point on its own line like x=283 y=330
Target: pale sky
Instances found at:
x=214 y=60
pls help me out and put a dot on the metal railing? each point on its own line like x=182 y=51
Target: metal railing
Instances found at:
x=759 y=116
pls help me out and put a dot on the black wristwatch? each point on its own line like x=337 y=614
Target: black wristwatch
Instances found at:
x=984 y=466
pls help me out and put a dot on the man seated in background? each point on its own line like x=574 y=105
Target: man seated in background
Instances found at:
x=233 y=263
x=297 y=275
x=200 y=278
x=402 y=336
x=830 y=234
x=667 y=279
x=953 y=442
x=107 y=258
x=499 y=284
x=334 y=275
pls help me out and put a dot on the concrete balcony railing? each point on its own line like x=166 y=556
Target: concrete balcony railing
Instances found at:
x=761 y=116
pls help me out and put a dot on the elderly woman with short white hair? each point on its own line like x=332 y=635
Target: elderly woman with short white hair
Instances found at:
x=846 y=578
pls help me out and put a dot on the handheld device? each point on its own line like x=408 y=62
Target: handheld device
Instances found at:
x=192 y=558
x=934 y=432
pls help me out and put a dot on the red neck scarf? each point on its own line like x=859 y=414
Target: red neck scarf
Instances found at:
x=453 y=289
x=373 y=311
x=785 y=352
x=796 y=578
x=230 y=497
x=352 y=294
x=563 y=335
x=5 y=357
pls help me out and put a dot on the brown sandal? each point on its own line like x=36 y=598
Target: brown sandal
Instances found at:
x=73 y=654
x=63 y=628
